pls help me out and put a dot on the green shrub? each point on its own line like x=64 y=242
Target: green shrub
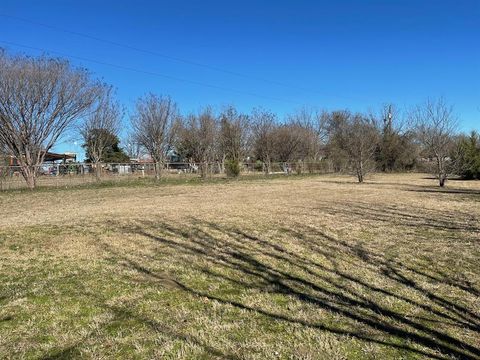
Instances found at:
x=258 y=165
x=467 y=156
x=232 y=167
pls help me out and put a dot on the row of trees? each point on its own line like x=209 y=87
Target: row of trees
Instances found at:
x=350 y=141
x=357 y=142
x=42 y=98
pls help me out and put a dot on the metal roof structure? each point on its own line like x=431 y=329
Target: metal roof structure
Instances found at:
x=50 y=156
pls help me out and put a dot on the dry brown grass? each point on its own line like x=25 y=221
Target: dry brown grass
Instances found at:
x=306 y=268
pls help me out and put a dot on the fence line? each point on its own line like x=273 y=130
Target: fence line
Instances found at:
x=70 y=174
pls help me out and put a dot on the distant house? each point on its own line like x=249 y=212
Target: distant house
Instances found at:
x=171 y=157
x=174 y=157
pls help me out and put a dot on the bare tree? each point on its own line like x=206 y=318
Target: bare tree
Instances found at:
x=313 y=126
x=101 y=128
x=39 y=99
x=297 y=139
x=234 y=138
x=288 y=142
x=358 y=137
x=197 y=138
x=436 y=125
x=133 y=148
x=336 y=154
x=154 y=125
x=264 y=124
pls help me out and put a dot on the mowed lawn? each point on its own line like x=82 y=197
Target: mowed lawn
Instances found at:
x=288 y=268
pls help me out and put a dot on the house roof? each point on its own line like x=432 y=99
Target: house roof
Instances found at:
x=50 y=156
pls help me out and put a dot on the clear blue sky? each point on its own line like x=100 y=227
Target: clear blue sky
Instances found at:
x=331 y=54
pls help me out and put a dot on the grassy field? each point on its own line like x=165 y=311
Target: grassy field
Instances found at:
x=289 y=268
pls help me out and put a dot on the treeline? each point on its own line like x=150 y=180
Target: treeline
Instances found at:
x=350 y=142
x=42 y=98
x=424 y=138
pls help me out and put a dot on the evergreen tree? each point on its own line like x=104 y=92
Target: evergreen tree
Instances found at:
x=467 y=157
x=112 y=152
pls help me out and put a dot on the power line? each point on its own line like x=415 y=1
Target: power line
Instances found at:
x=166 y=76
x=174 y=58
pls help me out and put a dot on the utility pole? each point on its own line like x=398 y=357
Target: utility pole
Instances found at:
x=387 y=120
x=387 y=139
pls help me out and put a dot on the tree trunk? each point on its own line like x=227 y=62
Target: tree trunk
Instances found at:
x=442 y=180
x=98 y=171
x=360 y=177
x=442 y=173
x=203 y=169
x=223 y=164
x=31 y=180
x=158 y=170
x=360 y=172
x=267 y=166
x=30 y=175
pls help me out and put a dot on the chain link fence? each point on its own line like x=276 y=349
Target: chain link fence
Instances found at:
x=74 y=174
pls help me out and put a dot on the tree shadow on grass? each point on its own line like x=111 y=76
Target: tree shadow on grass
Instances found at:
x=6 y=318
x=337 y=284
x=70 y=352
x=427 y=219
x=124 y=314
x=432 y=189
x=472 y=192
